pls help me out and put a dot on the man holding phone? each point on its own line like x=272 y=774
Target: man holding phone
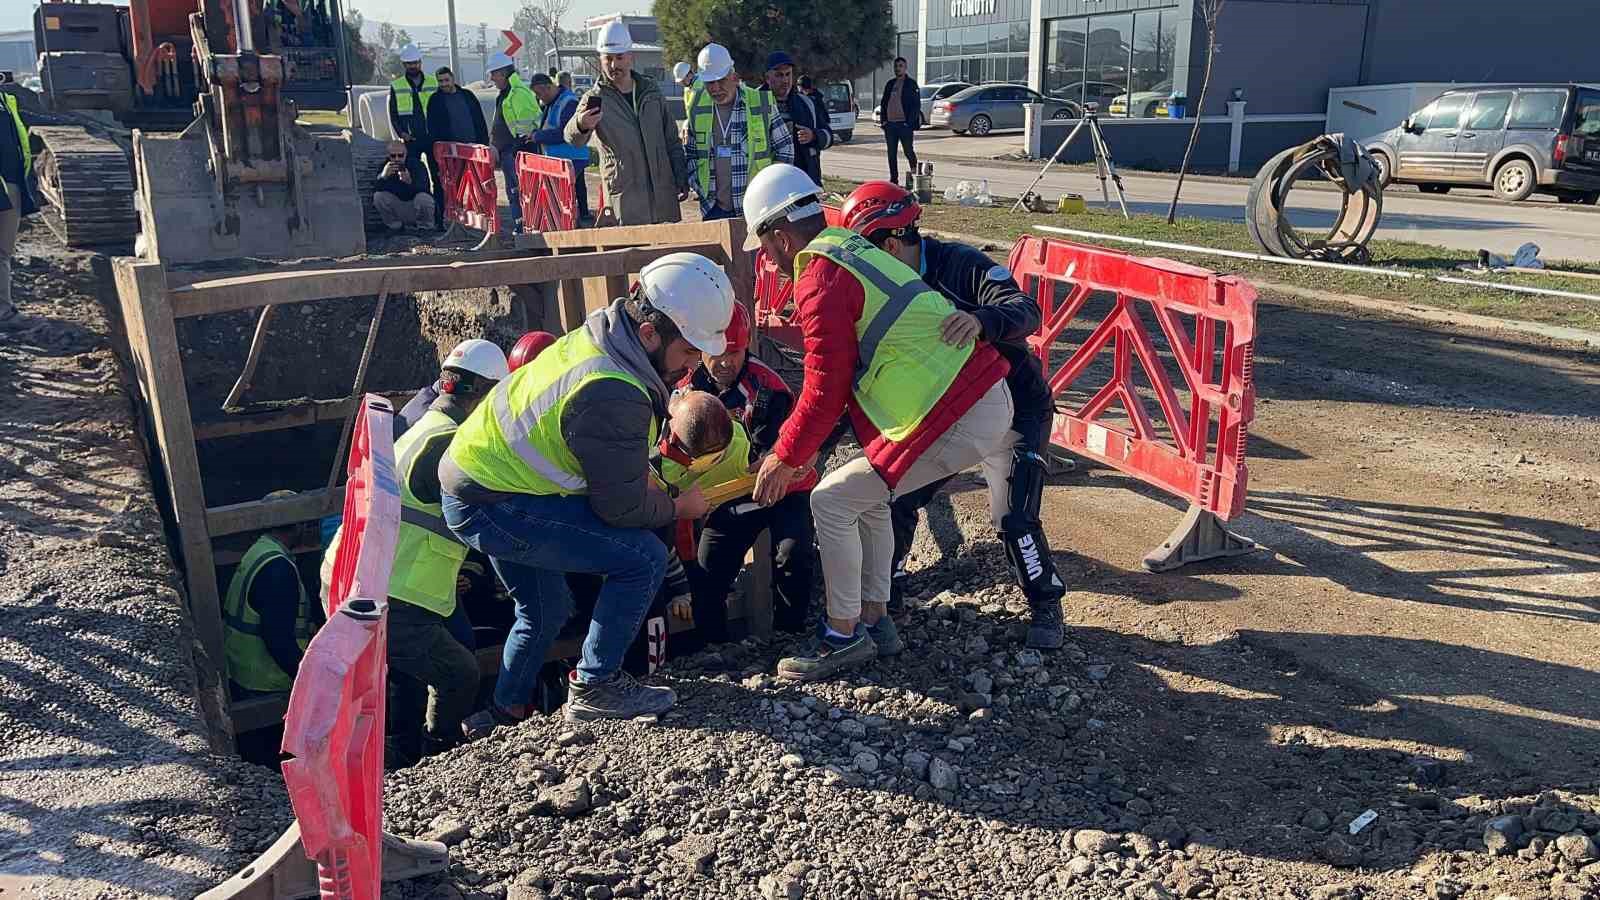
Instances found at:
x=641 y=157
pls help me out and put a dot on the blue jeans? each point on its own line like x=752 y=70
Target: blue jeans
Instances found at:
x=533 y=541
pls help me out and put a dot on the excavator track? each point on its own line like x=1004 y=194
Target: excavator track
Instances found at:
x=87 y=183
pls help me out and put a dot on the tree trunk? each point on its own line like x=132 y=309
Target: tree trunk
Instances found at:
x=1194 y=132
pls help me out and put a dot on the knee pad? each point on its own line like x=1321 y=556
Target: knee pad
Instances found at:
x=1027 y=490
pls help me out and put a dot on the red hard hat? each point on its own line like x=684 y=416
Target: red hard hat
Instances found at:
x=528 y=347
x=879 y=205
x=738 y=333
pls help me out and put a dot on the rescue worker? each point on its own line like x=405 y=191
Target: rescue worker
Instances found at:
x=434 y=669
x=516 y=116
x=559 y=105
x=16 y=201
x=683 y=74
x=989 y=306
x=552 y=476
x=409 y=96
x=641 y=155
x=759 y=402
x=922 y=408
x=266 y=614
x=734 y=132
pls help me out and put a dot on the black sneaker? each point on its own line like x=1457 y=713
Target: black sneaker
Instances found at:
x=1046 y=629
x=619 y=697
x=828 y=656
x=481 y=723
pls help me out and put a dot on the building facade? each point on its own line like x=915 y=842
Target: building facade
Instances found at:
x=1280 y=56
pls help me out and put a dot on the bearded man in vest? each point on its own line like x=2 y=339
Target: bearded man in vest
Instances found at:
x=921 y=408
x=266 y=615
x=734 y=133
x=552 y=476
x=409 y=98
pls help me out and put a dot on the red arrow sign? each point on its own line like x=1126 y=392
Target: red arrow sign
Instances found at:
x=513 y=43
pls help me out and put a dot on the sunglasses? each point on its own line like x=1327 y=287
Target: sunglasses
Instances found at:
x=400 y=158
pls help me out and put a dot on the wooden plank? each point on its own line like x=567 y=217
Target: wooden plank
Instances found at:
x=153 y=340
x=183 y=277
x=308 y=413
x=741 y=264
x=260 y=515
x=758 y=606
x=236 y=292
x=629 y=236
x=258 y=712
x=572 y=308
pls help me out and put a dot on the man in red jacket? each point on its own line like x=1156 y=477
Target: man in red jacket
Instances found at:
x=921 y=408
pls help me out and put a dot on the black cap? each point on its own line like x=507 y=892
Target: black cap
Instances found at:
x=538 y=79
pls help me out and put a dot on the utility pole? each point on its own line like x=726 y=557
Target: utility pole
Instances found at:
x=483 y=47
x=455 y=50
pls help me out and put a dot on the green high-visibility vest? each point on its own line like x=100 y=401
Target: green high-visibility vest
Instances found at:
x=22 y=133
x=702 y=118
x=903 y=367
x=403 y=92
x=734 y=463
x=519 y=108
x=513 y=441
x=249 y=664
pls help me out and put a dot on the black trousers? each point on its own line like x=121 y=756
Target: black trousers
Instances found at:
x=896 y=135
x=729 y=533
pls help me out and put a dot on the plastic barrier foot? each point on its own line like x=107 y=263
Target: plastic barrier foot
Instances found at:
x=284 y=872
x=1200 y=535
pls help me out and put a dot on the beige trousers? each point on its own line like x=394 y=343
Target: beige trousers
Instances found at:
x=398 y=213
x=851 y=503
x=10 y=220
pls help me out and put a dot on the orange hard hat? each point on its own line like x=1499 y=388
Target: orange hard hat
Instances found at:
x=738 y=331
x=879 y=205
x=528 y=347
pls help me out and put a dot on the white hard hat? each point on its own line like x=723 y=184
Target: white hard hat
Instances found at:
x=614 y=38
x=498 y=60
x=714 y=62
x=410 y=53
x=680 y=71
x=480 y=357
x=695 y=294
x=778 y=191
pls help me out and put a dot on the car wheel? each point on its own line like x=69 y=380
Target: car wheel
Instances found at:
x=844 y=136
x=980 y=125
x=1380 y=161
x=1590 y=199
x=1515 y=180
x=1434 y=188
x=1062 y=113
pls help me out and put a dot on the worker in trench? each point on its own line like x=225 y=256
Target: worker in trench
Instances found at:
x=759 y=402
x=434 y=669
x=551 y=476
x=266 y=614
x=922 y=408
x=989 y=306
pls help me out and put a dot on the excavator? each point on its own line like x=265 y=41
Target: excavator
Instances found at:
x=219 y=168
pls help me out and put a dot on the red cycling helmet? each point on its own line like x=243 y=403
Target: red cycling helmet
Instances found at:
x=528 y=347
x=880 y=206
x=738 y=332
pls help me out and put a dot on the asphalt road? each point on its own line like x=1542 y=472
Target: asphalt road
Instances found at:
x=1465 y=223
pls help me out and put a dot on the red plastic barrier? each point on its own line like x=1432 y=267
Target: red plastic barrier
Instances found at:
x=775 y=294
x=1199 y=455
x=470 y=194
x=335 y=723
x=548 y=193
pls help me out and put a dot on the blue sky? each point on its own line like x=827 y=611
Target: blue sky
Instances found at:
x=17 y=14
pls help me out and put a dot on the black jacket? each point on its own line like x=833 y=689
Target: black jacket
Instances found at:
x=439 y=118
x=402 y=190
x=805 y=112
x=910 y=102
x=978 y=285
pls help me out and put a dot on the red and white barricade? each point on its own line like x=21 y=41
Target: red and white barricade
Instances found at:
x=1208 y=322
x=471 y=197
x=548 y=192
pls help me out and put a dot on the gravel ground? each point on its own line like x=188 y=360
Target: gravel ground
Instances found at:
x=108 y=787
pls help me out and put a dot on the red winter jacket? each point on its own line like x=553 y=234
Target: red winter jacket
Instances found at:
x=828 y=302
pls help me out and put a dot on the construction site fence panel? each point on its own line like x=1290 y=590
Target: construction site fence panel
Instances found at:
x=548 y=191
x=335 y=723
x=471 y=196
x=775 y=294
x=1209 y=325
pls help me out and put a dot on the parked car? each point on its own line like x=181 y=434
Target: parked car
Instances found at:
x=842 y=109
x=1515 y=138
x=982 y=108
x=1086 y=92
x=1144 y=104
x=930 y=93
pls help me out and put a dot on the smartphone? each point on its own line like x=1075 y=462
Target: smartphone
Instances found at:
x=594 y=102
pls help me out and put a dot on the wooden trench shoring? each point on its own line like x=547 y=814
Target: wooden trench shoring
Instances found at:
x=581 y=270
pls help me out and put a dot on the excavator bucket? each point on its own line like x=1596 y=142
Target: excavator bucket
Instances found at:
x=188 y=215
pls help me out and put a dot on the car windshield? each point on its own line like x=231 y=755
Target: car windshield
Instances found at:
x=1588 y=123
x=837 y=92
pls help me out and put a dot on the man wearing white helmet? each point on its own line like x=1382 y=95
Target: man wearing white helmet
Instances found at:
x=516 y=118
x=435 y=672
x=921 y=408
x=409 y=96
x=552 y=476
x=734 y=133
x=683 y=74
x=641 y=156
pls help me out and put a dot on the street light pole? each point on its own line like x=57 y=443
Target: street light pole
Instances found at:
x=455 y=50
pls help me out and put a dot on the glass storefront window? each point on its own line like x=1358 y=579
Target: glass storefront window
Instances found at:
x=999 y=38
x=1155 y=37
x=1063 y=58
